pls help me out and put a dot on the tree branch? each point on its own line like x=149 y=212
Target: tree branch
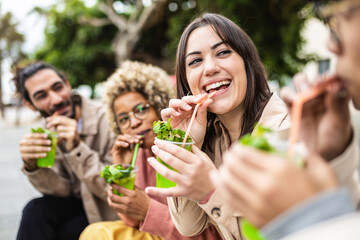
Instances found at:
x=138 y=8
x=96 y=22
x=148 y=13
x=116 y=19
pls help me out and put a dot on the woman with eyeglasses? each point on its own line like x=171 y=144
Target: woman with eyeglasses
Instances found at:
x=134 y=96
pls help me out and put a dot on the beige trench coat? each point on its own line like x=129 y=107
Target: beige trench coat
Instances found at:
x=191 y=218
x=76 y=173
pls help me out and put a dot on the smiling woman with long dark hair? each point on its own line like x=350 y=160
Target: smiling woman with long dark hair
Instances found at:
x=214 y=55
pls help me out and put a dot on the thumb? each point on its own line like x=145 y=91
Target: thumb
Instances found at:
x=288 y=96
x=202 y=112
x=320 y=172
x=338 y=101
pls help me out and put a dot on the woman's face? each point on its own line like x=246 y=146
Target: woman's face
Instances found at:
x=211 y=65
x=130 y=104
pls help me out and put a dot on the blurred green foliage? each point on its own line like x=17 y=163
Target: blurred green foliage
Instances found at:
x=84 y=51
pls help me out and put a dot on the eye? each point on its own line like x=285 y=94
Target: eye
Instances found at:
x=141 y=109
x=123 y=120
x=224 y=52
x=40 y=96
x=58 y=86
x=195 y=61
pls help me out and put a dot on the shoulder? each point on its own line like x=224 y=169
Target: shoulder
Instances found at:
x=275 y=114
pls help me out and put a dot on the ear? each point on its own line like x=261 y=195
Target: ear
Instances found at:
x=29 y=105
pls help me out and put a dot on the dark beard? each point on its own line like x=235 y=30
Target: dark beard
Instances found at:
x=73 y=102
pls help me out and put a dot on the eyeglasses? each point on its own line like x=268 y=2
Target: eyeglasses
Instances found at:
x=331 y=12
x=140 y=111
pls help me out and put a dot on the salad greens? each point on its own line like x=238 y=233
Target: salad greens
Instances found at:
x=257 y=139
x=42 y=130
x=111 y=173
x=164 y=131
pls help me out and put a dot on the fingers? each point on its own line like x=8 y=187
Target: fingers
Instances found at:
x=338 y=100
x=166 y=151
x=66 y=132
x=288 y=95
x=125 y=191
x=321 y=172
x=165 y=171
x=53 y=122
x=34 y=146
x=163 y=192
x=201 y=154
x=35 y=139
x=127 y=141
x=301 y=82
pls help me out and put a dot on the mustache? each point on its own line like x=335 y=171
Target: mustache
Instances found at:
x=59 y=106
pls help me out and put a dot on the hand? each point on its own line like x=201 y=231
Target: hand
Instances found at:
x=32 y=147
x=181 y=111
x=134 y=203
x=128 y=221
x=192 y=178
x=66 y=129
x=262 y=185
x=325 y=123
x=123 y=148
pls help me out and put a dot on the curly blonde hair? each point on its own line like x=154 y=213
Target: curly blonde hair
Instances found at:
x=151 y=82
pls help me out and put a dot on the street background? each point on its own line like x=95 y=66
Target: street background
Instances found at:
x=16 y=190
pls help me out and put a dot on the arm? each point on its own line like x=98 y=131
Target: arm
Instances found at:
x=187 y=216
x=51 y=181
x=321 y=207
x=158 y=215
x=55 y=180
x=345 y=168
x=192 y=183
x=91 y=155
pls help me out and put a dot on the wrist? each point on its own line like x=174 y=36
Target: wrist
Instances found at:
x=205 y=199
x=29 y=167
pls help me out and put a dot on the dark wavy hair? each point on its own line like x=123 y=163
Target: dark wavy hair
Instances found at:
x=22 y=74
x=257 y=92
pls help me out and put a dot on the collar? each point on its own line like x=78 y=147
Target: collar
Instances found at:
x=89 y=117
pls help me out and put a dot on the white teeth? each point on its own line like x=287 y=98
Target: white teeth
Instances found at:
x=216 y=85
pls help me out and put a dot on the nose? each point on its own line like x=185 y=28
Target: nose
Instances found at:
x=134 y=122
x=211 y=66
x=55 y=98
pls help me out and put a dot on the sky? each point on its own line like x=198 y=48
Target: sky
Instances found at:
x=31 y=25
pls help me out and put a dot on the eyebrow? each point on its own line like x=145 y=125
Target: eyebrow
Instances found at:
x=42 y=91
x=212 y=48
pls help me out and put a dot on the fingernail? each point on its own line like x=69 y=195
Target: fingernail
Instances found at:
x=48 y=149
x=155 y=149
x=48 y=142
x=150 y=160
x=188 y=107
x=176 y=113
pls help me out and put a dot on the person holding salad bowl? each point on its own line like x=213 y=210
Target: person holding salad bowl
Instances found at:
x=214 y=54
x=134 y=96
